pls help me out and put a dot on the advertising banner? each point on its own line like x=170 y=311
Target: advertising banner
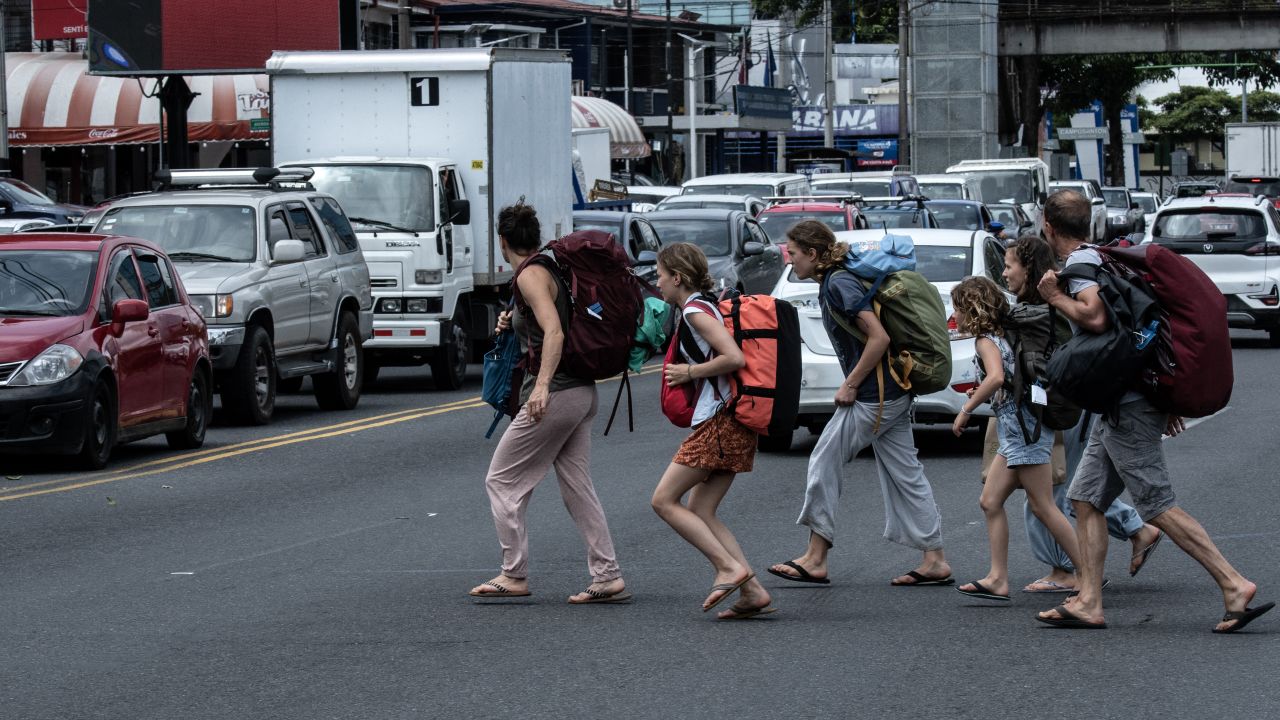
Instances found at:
x=58 y=19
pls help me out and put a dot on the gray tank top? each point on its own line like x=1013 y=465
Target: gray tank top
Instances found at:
x=530 y=334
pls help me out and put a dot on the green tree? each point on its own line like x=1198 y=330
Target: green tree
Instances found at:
x=877 y=20
x=1193 y=113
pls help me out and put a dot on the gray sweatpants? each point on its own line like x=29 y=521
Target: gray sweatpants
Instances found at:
x=910 y=515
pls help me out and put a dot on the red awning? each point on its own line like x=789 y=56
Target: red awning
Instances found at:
x=53 y=102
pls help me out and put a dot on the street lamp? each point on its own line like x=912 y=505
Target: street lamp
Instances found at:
x=695 y=46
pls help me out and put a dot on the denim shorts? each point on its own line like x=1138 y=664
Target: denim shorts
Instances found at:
x=1013 y=446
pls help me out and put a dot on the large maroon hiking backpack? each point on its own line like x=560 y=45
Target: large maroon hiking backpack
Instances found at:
x=605 y=299
x=1191 y=374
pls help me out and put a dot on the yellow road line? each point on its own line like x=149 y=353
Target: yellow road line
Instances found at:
x=200 y=457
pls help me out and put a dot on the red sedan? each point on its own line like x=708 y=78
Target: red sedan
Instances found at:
x=99 y=345
x=777 y=219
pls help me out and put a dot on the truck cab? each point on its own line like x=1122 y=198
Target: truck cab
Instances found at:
x=412 y=218
x=1024 y=181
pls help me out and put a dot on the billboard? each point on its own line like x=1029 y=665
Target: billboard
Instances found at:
x=58 y=19
x=141 y=37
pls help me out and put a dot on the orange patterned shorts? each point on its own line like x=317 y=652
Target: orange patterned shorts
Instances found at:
x=721 y=444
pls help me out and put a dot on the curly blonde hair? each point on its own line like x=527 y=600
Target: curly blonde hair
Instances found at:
x=816 y=236
x=982 y=304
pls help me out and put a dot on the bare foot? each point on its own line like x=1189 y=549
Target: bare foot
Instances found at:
x=1142 y=547
x=997 y=586
x=502 y=585
x=743 y=606
x=736 y=579
x=609 y=587
x=817 y=570
x=1237 y=600
x=932 y=572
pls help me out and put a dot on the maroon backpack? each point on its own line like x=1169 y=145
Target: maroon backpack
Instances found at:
x=1191 y=375
x=605 y=299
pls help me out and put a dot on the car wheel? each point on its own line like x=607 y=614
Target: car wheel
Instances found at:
x=289 y=386
x=199 y=408
x=778 y=442
x=99 y=429
x=249 y=390
x=340 y=389
x=449 y=364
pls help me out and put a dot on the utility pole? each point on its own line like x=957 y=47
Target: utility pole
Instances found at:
x=691 y=109
x=828 y=86
x=626 y=99
x=1244 y=100
x=671 y=96
x=785 y=82
x=904 y=11
x=4 y=106
x=406 y=33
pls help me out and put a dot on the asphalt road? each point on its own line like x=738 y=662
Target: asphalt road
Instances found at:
x=318 y=568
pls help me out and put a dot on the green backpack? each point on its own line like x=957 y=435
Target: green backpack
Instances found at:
x=911 y=311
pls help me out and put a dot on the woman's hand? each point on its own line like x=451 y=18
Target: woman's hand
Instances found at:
x=970 y=392
x=678 y=374
x=537 y=405
x=846 y=395
x=504 y=321
x=962 y=420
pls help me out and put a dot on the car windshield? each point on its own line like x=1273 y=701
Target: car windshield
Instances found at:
x=1147 y=203
x=1267 y=187
x=894 y=217
x=1116 y=198
x=45 y=282
x=711 y=204
x=1007 y=186
x=776 y=225
x=401 y=196
x=937 y=263
x=710 y=235
x=755 y=190
x=613 y=228
x=26 y=193
x=1003 y=215
x=865 y=188
x=1196 y=190
x=1210 y=225
x=941 y=191
x=188 y=233
x=956 y=217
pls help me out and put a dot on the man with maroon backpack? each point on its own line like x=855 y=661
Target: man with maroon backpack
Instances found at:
x=1125 y=450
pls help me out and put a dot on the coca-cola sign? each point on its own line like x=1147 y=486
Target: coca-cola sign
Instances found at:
x=58 y=19
x=104 y=133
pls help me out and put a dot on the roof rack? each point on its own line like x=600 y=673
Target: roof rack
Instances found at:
x=851 y=198
x=293 y=178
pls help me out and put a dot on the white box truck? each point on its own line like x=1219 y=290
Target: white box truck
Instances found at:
x=1024 y=181
x=422 y=148
x=1253 y=159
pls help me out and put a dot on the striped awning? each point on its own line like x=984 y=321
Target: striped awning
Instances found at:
x=52 y=101
x=625 y=139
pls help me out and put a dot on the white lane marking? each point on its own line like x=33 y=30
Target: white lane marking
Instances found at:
x=1192 y=423
x=296 y=545
x=182 y=573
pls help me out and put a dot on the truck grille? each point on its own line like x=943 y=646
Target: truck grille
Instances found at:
x=383 y=283
x=8 y=370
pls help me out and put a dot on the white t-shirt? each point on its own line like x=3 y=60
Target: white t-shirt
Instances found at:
x=714 y=392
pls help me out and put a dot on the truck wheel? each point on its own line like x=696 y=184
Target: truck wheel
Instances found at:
x=449 y=363
x=340 y=390
x=249 y=389
x=199 y=408
x=99 y=429
x=776 y=443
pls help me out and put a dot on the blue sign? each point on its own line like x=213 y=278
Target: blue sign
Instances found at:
x=876 y=154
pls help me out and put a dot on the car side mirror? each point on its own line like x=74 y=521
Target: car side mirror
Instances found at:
x=127 y=311
x=287 y=251
x=1098 y=201
x=751 y=247
x=647 y=258
x=460 y=212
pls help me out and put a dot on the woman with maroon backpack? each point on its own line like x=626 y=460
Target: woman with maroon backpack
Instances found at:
x=552 y=429
x=720 y=446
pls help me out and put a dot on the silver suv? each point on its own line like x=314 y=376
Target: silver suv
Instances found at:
x=276 y=270
x=1234 y=239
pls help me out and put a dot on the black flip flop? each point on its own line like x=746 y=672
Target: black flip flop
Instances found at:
x=1243 y=618
x=804 y=577
x=1069 y=621
x=922 y=580
x=980 y=591
x=1146 y=554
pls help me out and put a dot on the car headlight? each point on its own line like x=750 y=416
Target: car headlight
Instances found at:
x=417 y=305
x=213 y=306
x=389 y=305
x=55 y=364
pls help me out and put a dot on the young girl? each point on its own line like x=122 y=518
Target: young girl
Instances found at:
x=980 y=308
x=719 y=446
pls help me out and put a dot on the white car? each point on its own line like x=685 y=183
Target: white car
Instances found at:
x=1148 y=203
x=1232 y=238
x=1093 y=193
x=944 y=257
x=747 y=203
x=645 y=197
x=756 y=184
x=953 y=186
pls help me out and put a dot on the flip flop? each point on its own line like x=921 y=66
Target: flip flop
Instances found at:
x=921 y=580
x=598 y=597
x=980 y=591
x=1070 y=621
x=727 y=589
x=502 y=592
x=804 y=576
x=1056 y=587
x=741 y=613
x=1145 y=554
x=1243 y=618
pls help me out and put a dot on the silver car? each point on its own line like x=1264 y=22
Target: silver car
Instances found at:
x=738 y=251
x=277 y=272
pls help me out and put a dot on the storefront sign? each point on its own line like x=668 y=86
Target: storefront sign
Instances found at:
x=873 y=154
x=762 y=102
x=848 y=120
x=58 y=19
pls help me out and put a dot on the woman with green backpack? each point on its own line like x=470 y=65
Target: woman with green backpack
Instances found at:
x=871 y=409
